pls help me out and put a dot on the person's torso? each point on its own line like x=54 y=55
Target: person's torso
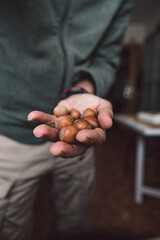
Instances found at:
x=43 y=43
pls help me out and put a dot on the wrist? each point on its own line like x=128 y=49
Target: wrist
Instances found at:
x=71 y=91
x=87 y=85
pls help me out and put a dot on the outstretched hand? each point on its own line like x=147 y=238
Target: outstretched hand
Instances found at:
x=85 y=138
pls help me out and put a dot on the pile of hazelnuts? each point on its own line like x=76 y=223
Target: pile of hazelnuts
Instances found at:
x=69 y=123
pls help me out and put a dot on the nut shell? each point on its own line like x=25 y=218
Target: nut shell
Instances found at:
x=82 y=124
x=60 y=110
x=89 y=112
x=63 y=121
x=68 y=134
x=93 y=121
x=75 y=113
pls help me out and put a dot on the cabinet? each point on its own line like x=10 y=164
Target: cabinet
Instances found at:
x=125 y=92
x=150 y=90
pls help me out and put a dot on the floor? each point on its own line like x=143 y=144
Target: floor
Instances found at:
x=113 y=206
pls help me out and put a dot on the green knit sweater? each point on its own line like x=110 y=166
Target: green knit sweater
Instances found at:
x=48 y=45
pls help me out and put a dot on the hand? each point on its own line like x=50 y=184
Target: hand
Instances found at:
x=85 y=138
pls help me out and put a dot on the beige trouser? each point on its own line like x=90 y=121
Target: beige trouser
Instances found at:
x=21 y=166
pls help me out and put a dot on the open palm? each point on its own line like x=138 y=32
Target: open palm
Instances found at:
x=85 y=138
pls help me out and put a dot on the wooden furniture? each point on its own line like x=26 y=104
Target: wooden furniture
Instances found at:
x=143 y=131
x=150 y=86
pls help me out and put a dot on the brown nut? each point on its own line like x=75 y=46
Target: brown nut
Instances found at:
x=89 y=112
x=60 y=110
x=93 y=121
x=75 y=113
x=68 y=134
x=63 y=121
x=82 y=124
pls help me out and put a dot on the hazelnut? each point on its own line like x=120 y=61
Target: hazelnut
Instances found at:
x=89 y=112
x=70 y=123
x=93 y=121
x=68 y=134
x=75 y=113
x=82 y=124
x=63 y=121
x=60 y=110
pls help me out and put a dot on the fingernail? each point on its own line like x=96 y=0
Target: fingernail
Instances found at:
x=29 y=117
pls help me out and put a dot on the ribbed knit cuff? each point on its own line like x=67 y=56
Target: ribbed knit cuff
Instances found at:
x=70 y=91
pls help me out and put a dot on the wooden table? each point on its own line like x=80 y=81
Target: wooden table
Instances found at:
x=143 y=131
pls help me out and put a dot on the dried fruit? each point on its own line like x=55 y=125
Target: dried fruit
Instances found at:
x=75 y=113
x=82 y=124
x=93 y=121
x=89 y=112
x=68 y=134
x=70 y=123
x=60 y=110
x=63 y=121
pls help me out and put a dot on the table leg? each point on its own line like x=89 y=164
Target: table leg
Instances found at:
x=139 y=170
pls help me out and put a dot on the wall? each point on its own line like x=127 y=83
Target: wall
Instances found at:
x=145 y=17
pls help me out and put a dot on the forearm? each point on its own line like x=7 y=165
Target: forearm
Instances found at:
x=102 y=65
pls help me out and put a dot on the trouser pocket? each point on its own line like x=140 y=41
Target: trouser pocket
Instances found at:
x=16 y=202
x=5 y=187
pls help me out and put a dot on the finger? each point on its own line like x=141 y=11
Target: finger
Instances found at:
x=66 y=150
x=91 y=137
x=46 y=132
x=42 y=117
x=105 y=114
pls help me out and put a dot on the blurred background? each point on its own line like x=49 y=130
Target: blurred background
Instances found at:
x=138 y=78
x=136 y=89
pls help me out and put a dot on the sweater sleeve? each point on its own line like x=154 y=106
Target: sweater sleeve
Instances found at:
x=102 y=66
